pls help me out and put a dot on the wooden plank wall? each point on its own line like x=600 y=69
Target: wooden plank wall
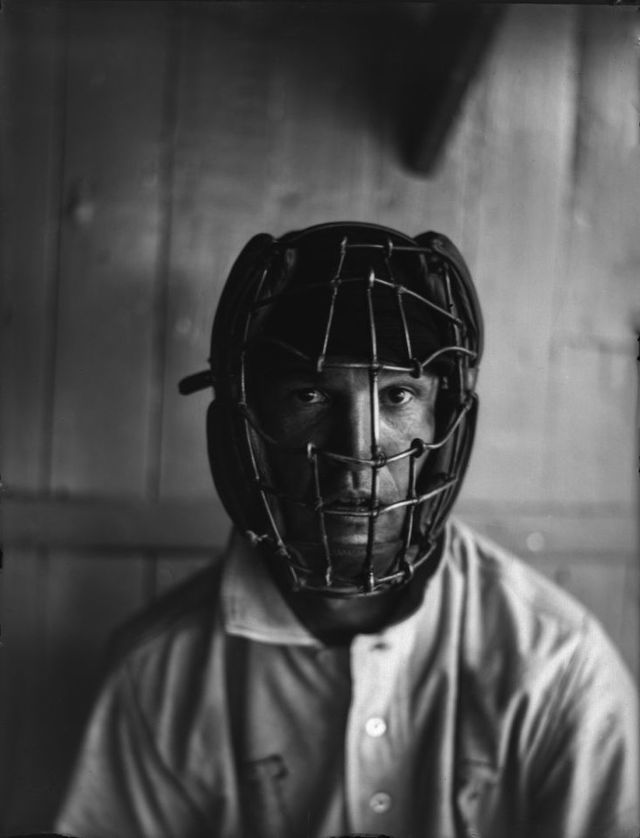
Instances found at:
x=33 y=133
x=145 y=143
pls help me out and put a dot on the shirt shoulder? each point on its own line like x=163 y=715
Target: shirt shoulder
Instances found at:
x=537 y=669
x=179 y=623
x=518 y=617
x=145 y=767
x=499 y=575
x=165 y=665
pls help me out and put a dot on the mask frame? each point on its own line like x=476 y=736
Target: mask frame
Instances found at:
x=238 y=446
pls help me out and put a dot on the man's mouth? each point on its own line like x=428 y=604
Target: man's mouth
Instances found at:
x=355 y=504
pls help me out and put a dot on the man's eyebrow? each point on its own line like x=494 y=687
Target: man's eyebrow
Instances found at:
x=292 y=369
x=407 y=374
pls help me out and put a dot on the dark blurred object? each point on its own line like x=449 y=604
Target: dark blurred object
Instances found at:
x=456 y=40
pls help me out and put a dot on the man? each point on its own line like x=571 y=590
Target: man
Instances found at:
x=357 y=663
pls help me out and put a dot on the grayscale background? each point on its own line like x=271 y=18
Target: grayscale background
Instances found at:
x=143 y=144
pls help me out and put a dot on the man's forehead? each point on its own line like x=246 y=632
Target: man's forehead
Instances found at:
x=337 y=367
x=349 y=322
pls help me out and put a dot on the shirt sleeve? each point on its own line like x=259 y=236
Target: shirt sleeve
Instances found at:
x=585 y=783
x=120 y=785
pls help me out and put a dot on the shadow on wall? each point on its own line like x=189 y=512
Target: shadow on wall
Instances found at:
x=408 y=68
x=357 y=64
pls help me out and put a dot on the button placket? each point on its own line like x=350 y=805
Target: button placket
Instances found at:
x=380 y=802
x=375 y=727
x=377 y=765
x=370 y=760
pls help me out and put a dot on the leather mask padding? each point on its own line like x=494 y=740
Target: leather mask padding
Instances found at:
x=228 y=453
x=299 y=317
x=296 y=262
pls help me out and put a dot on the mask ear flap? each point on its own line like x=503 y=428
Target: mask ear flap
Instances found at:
x=449 y=460
x=226 y=332
x=226 y=434
x=467 y=297
x=223 y=457
x=228 y=453
x=452 y=458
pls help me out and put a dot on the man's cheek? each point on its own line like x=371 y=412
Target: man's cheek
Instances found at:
x=397 y=474
x=294 y=475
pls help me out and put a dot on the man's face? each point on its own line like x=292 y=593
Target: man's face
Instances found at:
x=332 y=410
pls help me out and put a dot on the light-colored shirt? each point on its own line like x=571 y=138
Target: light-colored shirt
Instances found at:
x=498 y=709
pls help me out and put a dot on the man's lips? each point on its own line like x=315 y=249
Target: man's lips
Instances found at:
x=348 y=517
x=341 y=502
x=364 y=503
x=353 y=508
x=358 y=509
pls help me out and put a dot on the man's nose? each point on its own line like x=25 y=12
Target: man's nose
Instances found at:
x=353 y=431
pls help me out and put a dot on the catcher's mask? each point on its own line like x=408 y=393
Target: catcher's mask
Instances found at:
x=343 y=296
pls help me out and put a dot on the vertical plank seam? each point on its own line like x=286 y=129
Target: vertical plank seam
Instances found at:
x=56 y=222
x=635 y=40
x=565 y=241
x=475 y=169
x=170 y=87
x=52 y=242
x=165 y=201
x=56 y=233
x=577 y=158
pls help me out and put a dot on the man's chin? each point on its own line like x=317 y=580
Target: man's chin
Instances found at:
x=348 y=556
x=357 y=546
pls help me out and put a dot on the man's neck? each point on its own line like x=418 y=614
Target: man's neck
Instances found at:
x=335 y=621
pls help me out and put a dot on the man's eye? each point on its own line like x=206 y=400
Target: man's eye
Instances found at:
x=396 y=396
x=308 y=395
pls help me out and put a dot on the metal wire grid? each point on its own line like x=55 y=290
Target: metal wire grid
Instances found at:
x=402 y=568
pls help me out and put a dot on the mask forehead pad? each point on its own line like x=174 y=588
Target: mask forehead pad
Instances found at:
x=345 y=296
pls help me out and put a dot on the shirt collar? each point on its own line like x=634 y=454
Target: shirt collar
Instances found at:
x=254 y=608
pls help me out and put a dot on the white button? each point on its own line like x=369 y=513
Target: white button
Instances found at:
x=375 y=726
x=380 y=802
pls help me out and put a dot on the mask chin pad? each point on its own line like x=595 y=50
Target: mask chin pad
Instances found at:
x=326 y=292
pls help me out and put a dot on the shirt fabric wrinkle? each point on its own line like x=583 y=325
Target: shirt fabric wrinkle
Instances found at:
x=441 y=726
